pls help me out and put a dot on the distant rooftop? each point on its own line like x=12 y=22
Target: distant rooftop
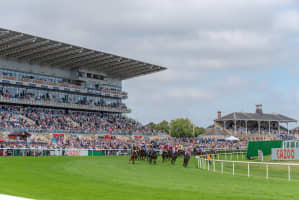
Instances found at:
x=257 y=116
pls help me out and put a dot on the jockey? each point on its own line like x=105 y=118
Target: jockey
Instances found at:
x=208 y=157
x=188 y=152
x=180 y=147
x=166 y=147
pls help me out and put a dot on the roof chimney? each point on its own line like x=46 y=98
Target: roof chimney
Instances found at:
x=259 y=108
x=219 y=114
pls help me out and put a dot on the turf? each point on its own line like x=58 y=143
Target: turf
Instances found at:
x=113 y=178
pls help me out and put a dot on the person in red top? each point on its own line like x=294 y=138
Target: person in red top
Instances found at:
x=166 y=147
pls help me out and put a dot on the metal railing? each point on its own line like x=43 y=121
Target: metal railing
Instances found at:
x=41 y=152
x=60 y=105
x=61 y=86
x=247 y=168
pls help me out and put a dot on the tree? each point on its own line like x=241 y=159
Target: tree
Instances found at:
x=198 y=131
x=151 y=125
x=181 y=128
x=163 y=126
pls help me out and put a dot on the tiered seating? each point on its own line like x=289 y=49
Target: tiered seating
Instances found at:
x=59 y=120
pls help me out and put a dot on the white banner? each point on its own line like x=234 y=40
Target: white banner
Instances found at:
x=76 y=152
x=285 y=154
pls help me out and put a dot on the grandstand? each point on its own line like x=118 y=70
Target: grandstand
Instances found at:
x=50 y=86
x=242 y=123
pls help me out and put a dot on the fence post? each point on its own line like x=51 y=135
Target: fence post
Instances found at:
x=289 y=172
x=214 y=167
x=267 y=172
x=233 y=168
x=198 y=163
x=208 y=165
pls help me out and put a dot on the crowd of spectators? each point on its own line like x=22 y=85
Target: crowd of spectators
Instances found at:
x=76 y=142
x=39 y=119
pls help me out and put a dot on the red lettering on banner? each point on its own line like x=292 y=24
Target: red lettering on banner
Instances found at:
x=289 y=154
x=292 y=154
x=284 y=154
x=281 y=154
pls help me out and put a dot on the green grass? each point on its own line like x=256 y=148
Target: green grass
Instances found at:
x=113 y=178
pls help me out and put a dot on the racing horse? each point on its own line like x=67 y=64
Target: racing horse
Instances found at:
x=187 y=156
x=142 y=153
x=152 y=157
x=133 y=155
x=165 y=155
x=174 y=156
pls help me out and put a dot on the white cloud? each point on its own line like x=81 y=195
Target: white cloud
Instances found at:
x=288 y=21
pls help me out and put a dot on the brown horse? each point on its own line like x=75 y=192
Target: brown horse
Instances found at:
x=142 y=154
x=133 y=156
x=165 y=155
x=174 y=156
x=152 y=157
x=186 y=159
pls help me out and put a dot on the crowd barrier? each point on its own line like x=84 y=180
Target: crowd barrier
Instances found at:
x=226 y=163
x=37 y=152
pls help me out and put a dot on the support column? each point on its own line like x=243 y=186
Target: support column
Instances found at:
x=279 y=127
x=288 y=128
x=235 y=127
x=296 y=130
x=246 y=127
x=259 y=125
x=269 y=127
x=223 y=125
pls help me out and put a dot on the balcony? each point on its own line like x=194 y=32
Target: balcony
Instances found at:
x=62 y=86
x=62 y=105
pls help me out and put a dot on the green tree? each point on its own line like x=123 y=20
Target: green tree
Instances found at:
x=163 y=126
x=198 y=131
x=181 y=127
x=151 y=125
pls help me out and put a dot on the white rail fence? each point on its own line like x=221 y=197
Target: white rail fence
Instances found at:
x=41 y=152
x=252 y=168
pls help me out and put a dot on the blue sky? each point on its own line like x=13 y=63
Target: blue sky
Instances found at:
x=221 y=55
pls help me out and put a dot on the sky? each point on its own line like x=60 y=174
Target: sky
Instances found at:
x=221 y=55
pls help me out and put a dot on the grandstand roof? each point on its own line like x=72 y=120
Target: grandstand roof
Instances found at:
x=256 y=117
x=36 y=50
